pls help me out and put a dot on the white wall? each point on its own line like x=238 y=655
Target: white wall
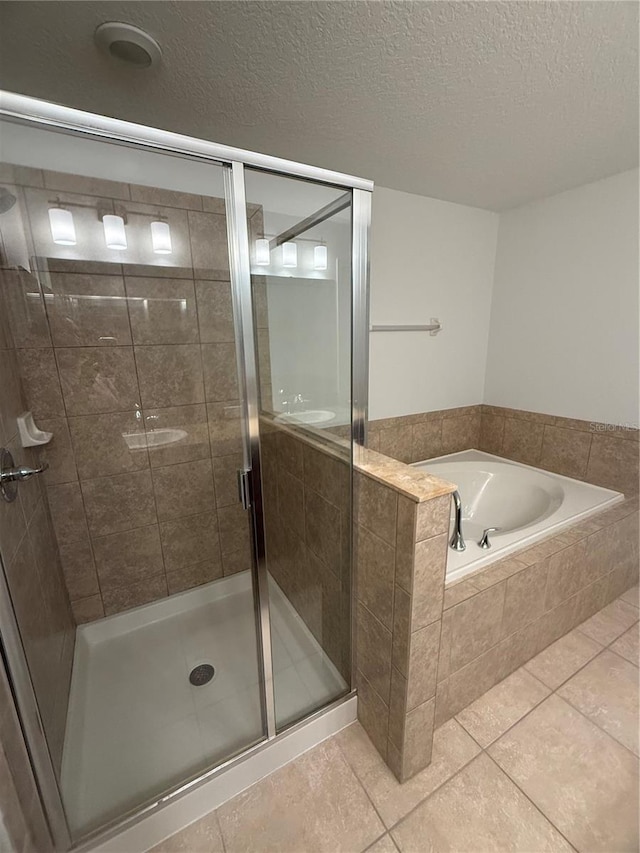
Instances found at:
x=564 y=319
x=429 y=258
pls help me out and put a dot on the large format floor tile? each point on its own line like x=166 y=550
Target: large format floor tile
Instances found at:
x=562 y=659
x=452 y=749
x=203 y=836
x=313 y=804
x=631 y=596
x=614 y=619
x=499 y=708
x=606 y=691
x=628 y=645
x=479 y=809
x=584 y=781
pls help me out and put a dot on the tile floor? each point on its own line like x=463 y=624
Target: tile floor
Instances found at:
x=545 y=761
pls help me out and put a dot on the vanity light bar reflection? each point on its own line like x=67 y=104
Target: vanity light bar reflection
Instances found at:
x=63 y=231
x=289 y=254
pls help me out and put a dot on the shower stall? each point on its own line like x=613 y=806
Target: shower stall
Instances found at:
x=183 y=333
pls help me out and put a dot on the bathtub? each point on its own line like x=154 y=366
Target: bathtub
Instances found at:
x=527 y=504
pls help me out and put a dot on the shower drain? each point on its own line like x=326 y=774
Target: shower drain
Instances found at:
x=201 y=674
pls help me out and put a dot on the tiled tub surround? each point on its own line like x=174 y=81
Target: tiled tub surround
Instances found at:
x=502 y=616
x=522 y=503
x=30 y=556
x=402 y=522
x=603 y=454
x=110 y=351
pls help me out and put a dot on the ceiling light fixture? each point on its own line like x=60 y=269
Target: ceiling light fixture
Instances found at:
x=129 y=44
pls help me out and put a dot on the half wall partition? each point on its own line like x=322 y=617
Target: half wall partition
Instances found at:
x=181 y=319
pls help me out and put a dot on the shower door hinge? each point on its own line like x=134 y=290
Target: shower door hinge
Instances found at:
x=244 y=487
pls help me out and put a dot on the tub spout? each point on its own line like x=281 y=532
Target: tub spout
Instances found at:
x=457 y=540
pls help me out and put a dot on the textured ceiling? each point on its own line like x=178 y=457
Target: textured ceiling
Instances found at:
x=490 y=104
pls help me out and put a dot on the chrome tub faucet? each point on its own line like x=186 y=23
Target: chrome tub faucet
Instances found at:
x=457 y=540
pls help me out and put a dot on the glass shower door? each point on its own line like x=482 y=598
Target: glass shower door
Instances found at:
x=129 y=560
x=300 y=237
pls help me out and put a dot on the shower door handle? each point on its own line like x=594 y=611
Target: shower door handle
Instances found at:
x=244 y=487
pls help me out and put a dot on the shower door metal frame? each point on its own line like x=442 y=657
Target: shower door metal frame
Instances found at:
x=48 y=116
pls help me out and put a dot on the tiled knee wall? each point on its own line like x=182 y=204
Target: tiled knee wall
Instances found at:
x=400 y=557
x=604 y=454
x=307 y=504
x=503 y=615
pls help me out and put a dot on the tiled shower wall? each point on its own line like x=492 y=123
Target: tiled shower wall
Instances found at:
x=307 y=500
x=111 y=351
x=30 y=556
x=603 y=454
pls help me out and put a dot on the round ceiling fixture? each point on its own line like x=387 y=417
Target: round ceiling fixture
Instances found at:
x=129 y=44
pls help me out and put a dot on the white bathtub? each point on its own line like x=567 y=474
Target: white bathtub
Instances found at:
x=527 y=504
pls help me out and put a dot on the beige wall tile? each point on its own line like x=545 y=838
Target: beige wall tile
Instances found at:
x=418 y=739
x=405 y=541
x=115 y=504
x=373 y=650
x=40 y=382
x=476 y=625
x=373 y=714
x=87 y=609
x=79 y=568
x=233 y=525
x=524 y=597
x=496 y=572
x=428 y=582
x=58 y=454
x=465 y=685
x=184 y=489
x=191 y=576
x=522 y=440
x=565 y=451
x=239 y=560
x=224 y=427
x=433 y=517
x=397 y=443
x=328 y=476
x=127 y=557
x=479 y=809
x=423 y=665
x=225 y=478
x=87 y=310
x=165 y=198
x=594 y=802
x=376 y=508
x=208 y=234
x=567 y=573
x=291 y=502
x=191 y=420
x=215 y=312
x=458 y=592
x=444 y=653
x=375 y=567
x=426 y=440
x=98 y=379
x=101 y=444
x=134 y=595
x=397 y=710
x=322 y=529
x=401 y=629
x=192 y=540
x=491 y=433
x=170 y=375
x=460 y=433
x=220 y=371
x=162 y=311
x=66 y=182
x=67 y=512
x=23 y=307
x=614 y=464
